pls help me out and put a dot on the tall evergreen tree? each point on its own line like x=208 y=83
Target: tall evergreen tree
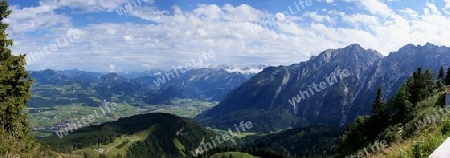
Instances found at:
x=15 y=91
x=429 y=83
x=401 y=105
x=380 y=115
x=441 y=73
x=447 y=78
x=377 y=106
x=412 y=89
x=440 y=79
x=418 y=85
x=355 y=135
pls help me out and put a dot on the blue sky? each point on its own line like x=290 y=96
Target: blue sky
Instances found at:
x=101 y=35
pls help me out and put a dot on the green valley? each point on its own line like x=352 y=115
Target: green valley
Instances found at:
x=45 y=120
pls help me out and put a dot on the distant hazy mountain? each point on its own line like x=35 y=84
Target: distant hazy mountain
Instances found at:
x=267 y=97
x=53 y=86
x=211 y=83
x=112 y=84
x=244 y=69
x=54 y=77
x=136 y=74
x=206 y=83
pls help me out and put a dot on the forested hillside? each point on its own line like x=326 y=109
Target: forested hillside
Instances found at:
x=148 y=135
x=314 y=141
x=404 y=121
x=161 y=134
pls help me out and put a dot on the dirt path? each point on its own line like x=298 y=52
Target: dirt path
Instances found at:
x=112 y=147
x=130 y=139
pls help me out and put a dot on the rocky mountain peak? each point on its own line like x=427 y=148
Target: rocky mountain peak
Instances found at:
x=266 y=95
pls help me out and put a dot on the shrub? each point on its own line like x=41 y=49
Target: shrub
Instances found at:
x=446 y=128
x=392 y=133
x=418 y=149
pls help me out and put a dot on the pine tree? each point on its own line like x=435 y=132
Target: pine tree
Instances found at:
x=380 y=116
x=412 y=90
x=441 y=73
x=379 y=107
x=15 y=91
x=440 y=79
x=428 y=82
x=447 y=78
x=417 y=86
x=355 y=135
x=402 y=106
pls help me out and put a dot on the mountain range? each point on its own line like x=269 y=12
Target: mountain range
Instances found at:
x=266 y=98
x=56 y=87
x=304 y=107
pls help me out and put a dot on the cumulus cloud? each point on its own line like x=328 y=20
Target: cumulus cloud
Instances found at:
x=447 y=4
x=236 y=33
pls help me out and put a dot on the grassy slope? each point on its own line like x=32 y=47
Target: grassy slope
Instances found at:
x=423 y=141
x=111 y=149
x=234 y=154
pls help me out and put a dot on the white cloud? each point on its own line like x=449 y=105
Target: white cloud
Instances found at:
x=31 y=19
x=319 y=18
x=447 y=4
x=210 y=11
x=90 y=5
x=408 y=13
x=431 y=9
x=235 y=33
x=376 y=7
x=358 y=20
